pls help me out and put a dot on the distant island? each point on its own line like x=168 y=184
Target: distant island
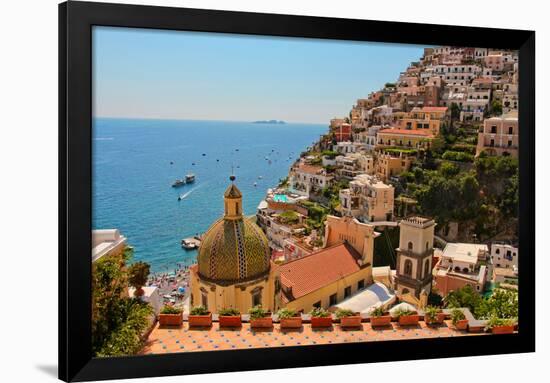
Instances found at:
x=269 y=122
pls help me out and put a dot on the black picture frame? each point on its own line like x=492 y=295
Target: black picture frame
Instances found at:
x=75 y=110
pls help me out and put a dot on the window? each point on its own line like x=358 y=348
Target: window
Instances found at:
x=332 y=300
x=492 y=143
x=317 y=304
x=347 y=292
x=493 y=129
x=256 y=297
x=426 y=268
x=204 y=298
x=509 y=143
x=408 y=268
x=361 y=284
x=497 y=251
x=410 y=246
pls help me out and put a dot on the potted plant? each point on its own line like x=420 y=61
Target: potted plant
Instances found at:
x=200 y=317
x=378 y=318
x=260 y=318
x=229 y=317
x=433 y=315
x=500 y=325
x=320 y=318
x=459 y=319
x=170 y=316
x=406 y=317
x=348 y=318
x=137 y=277
x=289 y=318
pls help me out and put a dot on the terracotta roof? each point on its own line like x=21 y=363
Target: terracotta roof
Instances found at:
x=310 y=169
x=406 y=132
x=319 y=269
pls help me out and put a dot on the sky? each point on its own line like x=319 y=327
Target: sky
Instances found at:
x=143 y=73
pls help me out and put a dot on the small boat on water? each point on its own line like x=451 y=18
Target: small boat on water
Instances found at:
x=188 y=245
x=204 y=154
x=179 y=182
x=260 y=177
x=190 y=178
x=255 y=184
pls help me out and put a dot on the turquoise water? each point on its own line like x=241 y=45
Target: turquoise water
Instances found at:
x=280 y=198
x=132 y=176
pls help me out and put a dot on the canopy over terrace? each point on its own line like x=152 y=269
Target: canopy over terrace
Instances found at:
x=365 y=300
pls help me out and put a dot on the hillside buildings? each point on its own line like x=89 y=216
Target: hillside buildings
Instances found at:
x=462 y=264
x=499 y=136
x=367 y=199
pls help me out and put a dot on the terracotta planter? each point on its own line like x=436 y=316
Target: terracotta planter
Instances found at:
x=230 y=321
x=462 y=324
x=318 y=322
x=351 y=321
x=409 y=320
x=381 y=321
x=503 y=329
x=171 y=319
x=265 y=322
x=440 y=317
x=200 y=320
x=293 y=322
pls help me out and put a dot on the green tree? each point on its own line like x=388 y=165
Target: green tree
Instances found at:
x=137 y=276
x=496 y=107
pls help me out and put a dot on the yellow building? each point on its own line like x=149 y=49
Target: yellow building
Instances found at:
x=233 y=266
x=327 y=277
x=389 y=165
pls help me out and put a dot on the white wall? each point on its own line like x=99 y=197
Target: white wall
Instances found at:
x=28 y=154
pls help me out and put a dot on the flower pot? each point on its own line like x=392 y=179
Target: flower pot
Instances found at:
x=293 y=322
x=461 y=324
x=440 y=317
x=230 y=321
x=381 y=321
x=351 y=321
x=503 y=329
x=200 y=320
x=319 y=322
x=171 y=319
x=408 y=320
x=265 y=322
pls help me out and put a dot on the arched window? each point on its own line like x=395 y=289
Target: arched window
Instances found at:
x=408 y=268
x=426 y=268
x=410 y=246
x=427 y=245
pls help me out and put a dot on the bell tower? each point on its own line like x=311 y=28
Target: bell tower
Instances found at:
x=233 y=201
x=415 y=256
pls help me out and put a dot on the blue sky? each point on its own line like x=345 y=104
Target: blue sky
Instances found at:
x=142 y=73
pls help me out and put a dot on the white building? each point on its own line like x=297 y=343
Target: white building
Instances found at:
x=107 y=242
x=503 y=255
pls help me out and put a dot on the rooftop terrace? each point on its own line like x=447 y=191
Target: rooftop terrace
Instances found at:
x=183 y=339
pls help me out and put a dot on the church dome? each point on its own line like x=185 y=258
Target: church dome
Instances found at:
x=234 y=249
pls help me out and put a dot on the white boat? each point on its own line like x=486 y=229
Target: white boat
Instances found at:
x=179 y=182
x=190 y=178
x=188 y=245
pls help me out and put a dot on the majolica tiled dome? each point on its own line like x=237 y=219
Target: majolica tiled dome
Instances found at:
x=234 y=248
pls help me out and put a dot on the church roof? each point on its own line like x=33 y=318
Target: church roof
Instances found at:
x=232 y=191
x=233 y=251
x=305 y=275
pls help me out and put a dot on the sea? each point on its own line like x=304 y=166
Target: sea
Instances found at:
x=135 y=162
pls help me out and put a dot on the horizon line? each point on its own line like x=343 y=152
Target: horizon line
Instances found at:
x=211 y=119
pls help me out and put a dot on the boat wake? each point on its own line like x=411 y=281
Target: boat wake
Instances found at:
x=185 y=195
